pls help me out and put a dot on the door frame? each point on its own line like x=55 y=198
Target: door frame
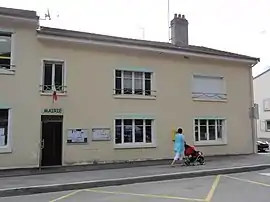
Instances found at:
x=40 y=140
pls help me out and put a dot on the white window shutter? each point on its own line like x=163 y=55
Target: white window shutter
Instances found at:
x=208 y=87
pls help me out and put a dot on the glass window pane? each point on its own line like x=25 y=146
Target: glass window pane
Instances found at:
x=138 y=122
x=147 y=75
x=212 y=122
x=127 y=86
x=148 y=134
x=138 y=133
x=117 y=73
x=212 y=133
x=219 y=122
x=203 y=122
x=118 y=134
x=219 y=131
x=128 y=122
x=203 y=133
x=4 y=126
x=138 y=84
x=138 y=130
x=128 y=134
x=147 y=87
x=128 y=131
x=128 y=74
x=5 y=50
x=148 y=122
x=58 y=77
x=138 y=75
x=268 y=125
x=196 y=136
x=196 y=121
x=118 y=85
x=118 y=122
x=196 y=130
x=47 y=79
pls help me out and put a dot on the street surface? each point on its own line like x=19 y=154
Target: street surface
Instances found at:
x=241 y=187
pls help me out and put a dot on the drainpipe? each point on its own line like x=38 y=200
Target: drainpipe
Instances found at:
x=252 y=119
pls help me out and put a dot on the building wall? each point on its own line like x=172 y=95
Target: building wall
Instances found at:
x=93 y=70
x=261 y=94
x=90 y=103
x=19 y=92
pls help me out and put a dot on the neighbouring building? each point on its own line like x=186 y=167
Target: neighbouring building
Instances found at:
x=69 y=97
x=262 y=98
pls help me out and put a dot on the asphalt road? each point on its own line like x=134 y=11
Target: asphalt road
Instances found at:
x=243 y=187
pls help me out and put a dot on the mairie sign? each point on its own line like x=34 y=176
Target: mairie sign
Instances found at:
x=53 y=111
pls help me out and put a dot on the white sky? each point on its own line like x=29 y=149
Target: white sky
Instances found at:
x=240 y=26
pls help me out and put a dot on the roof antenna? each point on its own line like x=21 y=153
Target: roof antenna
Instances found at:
x=168 y=16
x=47 y=15
x=143 y=32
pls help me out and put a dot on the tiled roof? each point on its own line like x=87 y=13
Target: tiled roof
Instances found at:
x=18 y=13
x=128 y=41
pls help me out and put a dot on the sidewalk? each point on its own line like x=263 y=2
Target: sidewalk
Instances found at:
x=76 y=180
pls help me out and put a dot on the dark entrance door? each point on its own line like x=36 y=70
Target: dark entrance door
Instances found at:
x=51 y=142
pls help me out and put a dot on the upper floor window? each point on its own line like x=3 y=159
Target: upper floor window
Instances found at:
x=5 y=50
x=132 y=82
x=208 y=88
x=53 y=76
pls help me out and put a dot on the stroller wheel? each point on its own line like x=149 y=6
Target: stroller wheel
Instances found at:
x=201 y=161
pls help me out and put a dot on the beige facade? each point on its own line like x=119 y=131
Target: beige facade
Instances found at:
x=88 y=99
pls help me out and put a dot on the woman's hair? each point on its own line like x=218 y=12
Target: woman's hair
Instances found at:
x=180 y=130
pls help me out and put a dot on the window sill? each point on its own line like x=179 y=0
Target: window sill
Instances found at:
x=7 y=71
x=5 y=149
x=211 y=143
x=50 y=94
x=137 y=97
x=208 y=100
x=134 y=146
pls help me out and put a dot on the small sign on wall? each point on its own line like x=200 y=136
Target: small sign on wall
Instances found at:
x=101 y=134
x=52 y=111
x=77 y=136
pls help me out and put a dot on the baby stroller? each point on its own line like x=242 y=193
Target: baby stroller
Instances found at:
x=192 y=156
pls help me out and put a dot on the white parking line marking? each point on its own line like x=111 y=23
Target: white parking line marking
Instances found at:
x=144 y=195
x=66 y=196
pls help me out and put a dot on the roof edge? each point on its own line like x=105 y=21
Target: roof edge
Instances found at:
x=19 y=13
x=261 y=74
x=71 y=34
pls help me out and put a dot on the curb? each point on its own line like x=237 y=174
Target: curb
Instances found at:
x=17 y=172
x=123 y=181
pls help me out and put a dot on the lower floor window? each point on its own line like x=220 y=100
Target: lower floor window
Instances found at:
x=133 y=131
x=4 y=113
x=209 y=129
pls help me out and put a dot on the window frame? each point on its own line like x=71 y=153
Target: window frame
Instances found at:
x=207 y=96
x=266 y=129
x=134 y=144
x=64 y=76
x=7 y=148
x=133 y=95
x=11 y=70
x=217 y=141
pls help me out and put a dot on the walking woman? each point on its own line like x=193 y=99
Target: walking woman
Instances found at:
x=179 y=146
